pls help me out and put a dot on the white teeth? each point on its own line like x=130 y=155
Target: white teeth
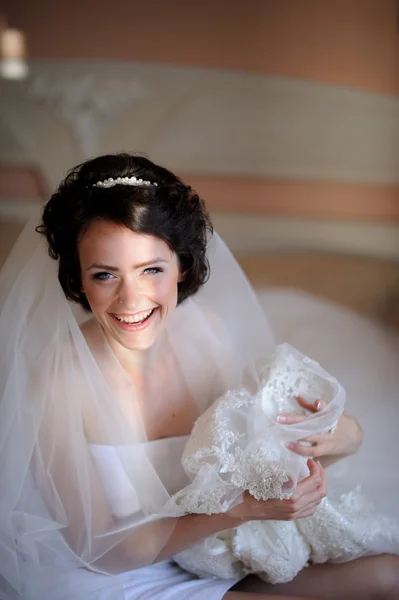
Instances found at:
x=136 y=320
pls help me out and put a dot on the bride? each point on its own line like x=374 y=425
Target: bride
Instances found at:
x=119 y=326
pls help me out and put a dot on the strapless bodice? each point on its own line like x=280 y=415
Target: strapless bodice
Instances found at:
x=165 y=457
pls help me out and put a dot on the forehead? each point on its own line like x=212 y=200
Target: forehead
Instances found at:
x=105 y=239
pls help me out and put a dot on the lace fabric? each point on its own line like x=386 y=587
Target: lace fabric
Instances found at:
x=237 y=445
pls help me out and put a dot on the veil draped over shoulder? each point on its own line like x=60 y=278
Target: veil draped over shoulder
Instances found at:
x=61 y=393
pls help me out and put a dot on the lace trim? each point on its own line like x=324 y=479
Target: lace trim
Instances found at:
x=277 y=550
x=222 y=458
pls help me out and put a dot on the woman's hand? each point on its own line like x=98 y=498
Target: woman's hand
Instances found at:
x=329 y=447
x=303 y=502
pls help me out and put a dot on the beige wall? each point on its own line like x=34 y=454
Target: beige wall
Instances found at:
x=306 y=199
x=342 y=43
x=345 y=42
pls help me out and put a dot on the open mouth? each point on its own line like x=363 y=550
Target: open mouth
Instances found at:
x=136 y=321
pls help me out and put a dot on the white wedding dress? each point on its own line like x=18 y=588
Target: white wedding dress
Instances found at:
x=161 y=581
x=363 y=357
x=164 y=580
x=238 y=445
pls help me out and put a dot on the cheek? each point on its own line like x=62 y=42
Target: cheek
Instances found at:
x=167 y=292
x=98 y=296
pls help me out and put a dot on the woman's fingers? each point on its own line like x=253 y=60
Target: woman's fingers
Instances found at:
x=302 y=450
x=314 y=440
x=314 y=498
x=316 y=445
x=312 y=482
x=315 y=483
x=304 y=501
x=309 y=492
x=315 y=468
x=310 y=506
x=288 y=485
x=291 y=419
x=306 y=513
x=316 y=406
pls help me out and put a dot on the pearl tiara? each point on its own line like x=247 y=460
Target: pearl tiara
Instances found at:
x=109 y=183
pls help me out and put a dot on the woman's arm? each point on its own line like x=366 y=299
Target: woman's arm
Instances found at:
x=76 y=500
x=347 y=439
x=88 y=523
x=328 y=448
x=186 y=531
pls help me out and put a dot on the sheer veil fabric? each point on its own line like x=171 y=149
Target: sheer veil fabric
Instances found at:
x=62 y=391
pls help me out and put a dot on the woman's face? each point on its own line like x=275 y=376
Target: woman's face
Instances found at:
x=130 y=281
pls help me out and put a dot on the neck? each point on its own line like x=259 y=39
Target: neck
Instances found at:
x=137 y=362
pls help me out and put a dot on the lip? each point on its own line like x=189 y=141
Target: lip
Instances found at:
x=131 y=327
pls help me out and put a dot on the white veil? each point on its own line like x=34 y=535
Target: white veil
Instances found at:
x=60 y=392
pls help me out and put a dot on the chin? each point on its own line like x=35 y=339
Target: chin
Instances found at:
x=135 y=341
x=138 y=346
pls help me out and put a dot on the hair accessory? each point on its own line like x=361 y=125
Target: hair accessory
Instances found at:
x=109 y=183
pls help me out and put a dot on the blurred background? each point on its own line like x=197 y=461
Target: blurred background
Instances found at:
x=283 y=114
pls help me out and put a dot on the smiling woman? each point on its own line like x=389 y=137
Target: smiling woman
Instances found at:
x=114 y=398
x=172 y=212
x=137 y=293
x=96 y=409
x=129 y=249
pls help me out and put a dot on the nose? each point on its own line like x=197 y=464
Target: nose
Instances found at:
x=129 y=294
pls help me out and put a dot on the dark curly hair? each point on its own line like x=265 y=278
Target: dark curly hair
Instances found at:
x=171 y=211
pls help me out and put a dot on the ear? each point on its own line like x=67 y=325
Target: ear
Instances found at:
x=181 y=277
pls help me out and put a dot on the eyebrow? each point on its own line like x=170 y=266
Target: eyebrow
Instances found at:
x=138 y=266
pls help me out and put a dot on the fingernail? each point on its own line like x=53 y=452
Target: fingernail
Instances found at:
x=290 y=445
x=318 y=405
x=281 y=419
